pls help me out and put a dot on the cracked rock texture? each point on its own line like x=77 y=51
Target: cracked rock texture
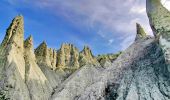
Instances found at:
x=139 y=72
x=159 y=18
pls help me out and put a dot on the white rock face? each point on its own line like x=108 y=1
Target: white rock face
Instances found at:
x=38 y=85
x=12 y=63
x=21 y=78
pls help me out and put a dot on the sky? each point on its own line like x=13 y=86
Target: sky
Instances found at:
x=106 y=26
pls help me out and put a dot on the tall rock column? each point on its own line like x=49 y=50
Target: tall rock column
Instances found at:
x=67 y=57
x=86 y=57
x=43 y=55
x=140 y=33
x=38 y=85
x=12 y=81
x=159 y=18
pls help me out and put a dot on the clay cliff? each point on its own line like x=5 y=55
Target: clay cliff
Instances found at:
x=141 y=72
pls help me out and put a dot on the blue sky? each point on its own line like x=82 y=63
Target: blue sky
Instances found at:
x=105 y=26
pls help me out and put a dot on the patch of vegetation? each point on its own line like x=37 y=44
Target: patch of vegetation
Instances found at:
x=109 y=57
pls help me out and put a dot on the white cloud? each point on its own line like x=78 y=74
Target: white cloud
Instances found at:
x=138 y=10
x=111 y=41
x=118 y=17
x=166 y=3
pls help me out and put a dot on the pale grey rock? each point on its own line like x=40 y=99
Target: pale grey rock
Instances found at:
x=38 y=85
x=12 y=64
x=159 y=18
x=140 y=72
x=74 y=86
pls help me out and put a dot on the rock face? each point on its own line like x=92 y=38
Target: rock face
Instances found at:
x=43 y=55
x=159 y=18
x=86 y=57
x=67 y=57
x=21 y=76
x=140 y=32
x=37 y=83
x=12 y=64
x=135 y=74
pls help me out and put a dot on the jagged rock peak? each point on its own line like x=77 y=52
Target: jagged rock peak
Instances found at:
x=41 y=50
x=140 y=32
x=15 y=32
x=86 y=57
x=41 y=53
x=28 y=43
x=67 y=56
x=45 y=56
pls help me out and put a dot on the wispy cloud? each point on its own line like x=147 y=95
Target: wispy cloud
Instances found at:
x=111 y=18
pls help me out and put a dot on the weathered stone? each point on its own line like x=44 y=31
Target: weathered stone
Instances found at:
x=37 y=83
x=43 y=55
x=53 y=57
x=86 y=57
x=159 y=18
x=140 y=32
x=12 y=63
x=15 y=30
x=67 y=57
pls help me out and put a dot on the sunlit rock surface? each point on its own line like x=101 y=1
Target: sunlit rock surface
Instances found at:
x=12 y=63
x=38 y=85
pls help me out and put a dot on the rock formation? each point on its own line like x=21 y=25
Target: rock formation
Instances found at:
x=12 y=64
x=38 y=85
x=86 y=57
x=140 y=32
x=42 y=54
x=138 y=73
x=67 y=57
x=159 y=18
x=53 y=57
